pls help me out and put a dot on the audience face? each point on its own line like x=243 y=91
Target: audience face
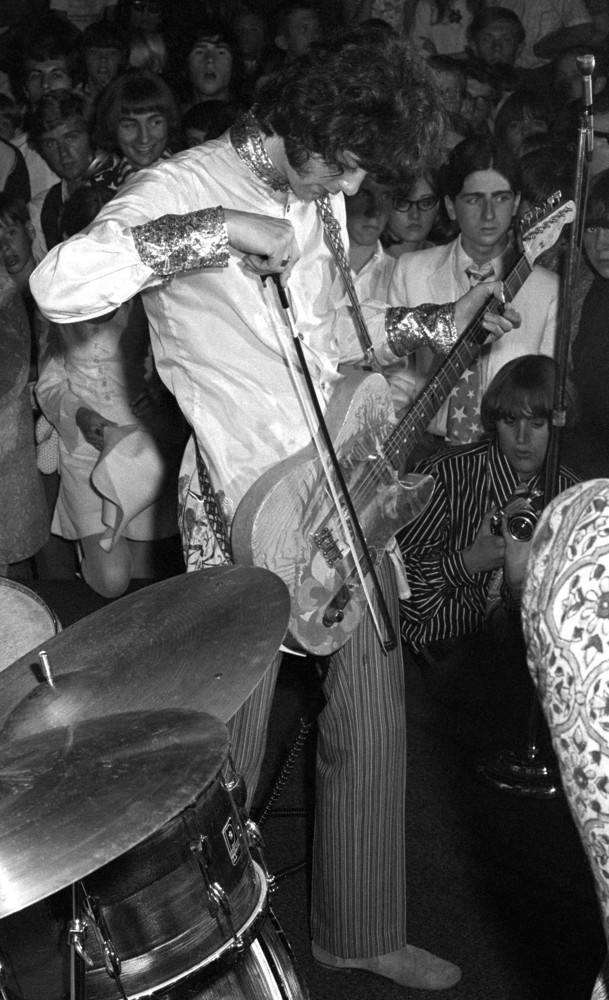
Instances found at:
x=498 y=44
x=16 y=249
x=484 y=210
x=452 y=88
x=478 y=103
x=45 y=76
x=67 y=149
x=142 y=137
x=523 y=440
x=251 y=33
x=596 y=244
x=411 y=219
x=102 y=66
x=516 y=132
x=210 y=65
x=368 y=212
x=301 y=29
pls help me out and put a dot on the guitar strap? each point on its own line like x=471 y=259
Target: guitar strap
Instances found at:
x=335 y=242
x=213 y=512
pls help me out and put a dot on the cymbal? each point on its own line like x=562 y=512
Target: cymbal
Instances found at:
x=200 y=641
x=76 y=797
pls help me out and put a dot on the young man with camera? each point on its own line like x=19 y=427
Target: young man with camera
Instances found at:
x=460 y=568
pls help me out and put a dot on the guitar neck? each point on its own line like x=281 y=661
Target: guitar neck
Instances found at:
x=411 y=428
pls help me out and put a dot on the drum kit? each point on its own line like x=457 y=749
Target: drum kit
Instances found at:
x=128 y=865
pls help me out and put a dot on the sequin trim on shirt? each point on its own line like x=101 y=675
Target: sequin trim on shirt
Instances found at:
x=177 y=243
x=426 y=325
x=247 y=143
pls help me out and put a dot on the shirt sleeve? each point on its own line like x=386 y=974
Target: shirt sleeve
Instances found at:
x=125 y=251
x=435 y=573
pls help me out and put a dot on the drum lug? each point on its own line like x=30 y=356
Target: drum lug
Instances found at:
x=77 y=936
x=112 y=962
x=255 y=841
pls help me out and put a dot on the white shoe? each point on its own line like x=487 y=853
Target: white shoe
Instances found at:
x=410 y=966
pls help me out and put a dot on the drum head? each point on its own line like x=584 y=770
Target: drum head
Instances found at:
x=25 y=621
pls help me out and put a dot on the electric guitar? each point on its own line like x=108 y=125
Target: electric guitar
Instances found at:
x=287 y=521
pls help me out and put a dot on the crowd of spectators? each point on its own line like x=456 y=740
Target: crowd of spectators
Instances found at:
x=93 y=91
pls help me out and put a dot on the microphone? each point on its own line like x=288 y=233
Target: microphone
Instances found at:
x=585 y=65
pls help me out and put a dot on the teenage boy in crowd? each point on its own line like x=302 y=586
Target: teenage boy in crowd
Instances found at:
x=481 y=194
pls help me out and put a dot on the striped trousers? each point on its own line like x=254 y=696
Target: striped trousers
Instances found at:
x=358 y=904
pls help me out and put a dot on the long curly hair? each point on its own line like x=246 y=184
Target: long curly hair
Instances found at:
x=373 y=97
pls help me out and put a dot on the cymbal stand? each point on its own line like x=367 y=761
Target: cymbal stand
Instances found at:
x=77 y=934
x=530 y=775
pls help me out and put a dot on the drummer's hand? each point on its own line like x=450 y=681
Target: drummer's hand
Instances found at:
x=468 y=305
x=269 y=244
x=92 y=424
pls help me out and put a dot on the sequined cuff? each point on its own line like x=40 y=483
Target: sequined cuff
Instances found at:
x=426 y=325
x=177 y=243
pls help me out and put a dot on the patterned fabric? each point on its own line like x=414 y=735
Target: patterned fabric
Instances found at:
x=174 y=244
x=463 y=424
x=200 y=521
x=247 y=142
x=566 y=626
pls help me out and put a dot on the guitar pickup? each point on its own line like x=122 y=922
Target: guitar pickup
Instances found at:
x=326 y=544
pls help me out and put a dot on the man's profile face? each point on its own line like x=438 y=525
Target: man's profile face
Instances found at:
x=368 y=212
x=302 y=28
x=484 y=210
x=498 y=44
x=318 y=178
x=523 y=439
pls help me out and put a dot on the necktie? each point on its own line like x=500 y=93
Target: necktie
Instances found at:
x=463 y=415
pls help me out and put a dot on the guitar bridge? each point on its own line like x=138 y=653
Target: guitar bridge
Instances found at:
x=326 y=544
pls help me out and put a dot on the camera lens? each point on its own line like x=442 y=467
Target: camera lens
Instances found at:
x=521 y=526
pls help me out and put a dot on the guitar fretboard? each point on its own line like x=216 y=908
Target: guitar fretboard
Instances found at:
x=405 y=435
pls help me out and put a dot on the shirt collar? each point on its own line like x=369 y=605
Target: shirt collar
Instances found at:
x=464 y=260
x=247 y=142
x=503 y=481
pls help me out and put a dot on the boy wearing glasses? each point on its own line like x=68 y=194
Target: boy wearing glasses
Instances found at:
x=481 y=194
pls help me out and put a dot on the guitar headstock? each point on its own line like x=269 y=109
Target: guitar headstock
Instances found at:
x=544 y=226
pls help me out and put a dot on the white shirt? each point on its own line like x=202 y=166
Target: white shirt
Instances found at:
x=218 y=335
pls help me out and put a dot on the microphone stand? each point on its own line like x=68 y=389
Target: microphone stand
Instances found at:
x=509 y=771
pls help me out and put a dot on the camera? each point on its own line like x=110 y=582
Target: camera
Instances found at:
x=522 y=511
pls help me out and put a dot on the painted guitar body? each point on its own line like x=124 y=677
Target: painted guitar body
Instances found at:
x=287 y=521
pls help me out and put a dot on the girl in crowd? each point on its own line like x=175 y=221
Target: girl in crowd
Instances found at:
x=138 y=119
x=96 y=375
x=412 y=218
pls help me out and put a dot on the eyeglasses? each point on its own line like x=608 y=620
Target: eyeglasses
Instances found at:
x=423 y=204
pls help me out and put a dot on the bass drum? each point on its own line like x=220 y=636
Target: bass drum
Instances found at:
x=180 y=914
x=25 y=621
x=265 y=972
